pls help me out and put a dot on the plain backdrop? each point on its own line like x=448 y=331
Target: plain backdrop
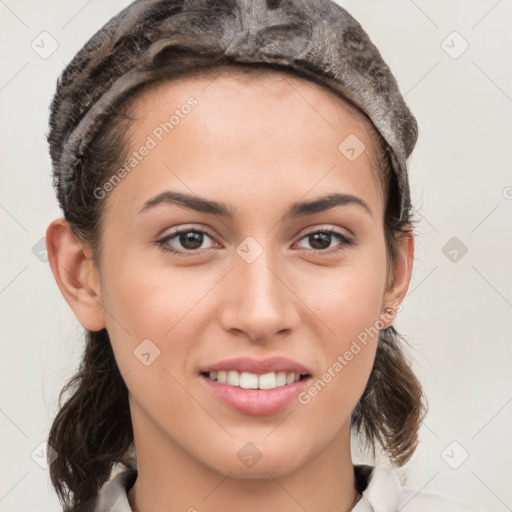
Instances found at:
x=452 y=62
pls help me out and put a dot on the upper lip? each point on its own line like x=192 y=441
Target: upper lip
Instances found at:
x=258 y=366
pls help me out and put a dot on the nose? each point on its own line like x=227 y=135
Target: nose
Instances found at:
x=259 y=302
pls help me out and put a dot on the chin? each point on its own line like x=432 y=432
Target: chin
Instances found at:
x=250 y=463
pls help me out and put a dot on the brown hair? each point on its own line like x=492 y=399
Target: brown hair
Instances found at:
x=92 y=430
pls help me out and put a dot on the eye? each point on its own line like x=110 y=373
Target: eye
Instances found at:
x=321 y=240
x=189 y=239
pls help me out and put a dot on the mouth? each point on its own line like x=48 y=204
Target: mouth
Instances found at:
x=255 y=394
x=255 y=386
x=249 y=380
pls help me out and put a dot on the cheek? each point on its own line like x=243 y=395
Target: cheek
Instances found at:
x=348 y=301
x=349 y=356
x=349 y=297
x=148 y=296
x=154 y=327
x=155 y=310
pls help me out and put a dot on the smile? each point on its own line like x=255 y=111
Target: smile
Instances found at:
x=255 y=399
x=248 y=380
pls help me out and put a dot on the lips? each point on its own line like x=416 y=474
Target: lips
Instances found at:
x=258 y=366
x=269 y=394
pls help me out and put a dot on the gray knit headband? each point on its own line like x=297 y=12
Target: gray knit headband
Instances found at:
x=316 y=37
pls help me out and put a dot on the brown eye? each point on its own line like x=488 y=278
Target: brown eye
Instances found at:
x=185 y=242
x=321 y=240
x=191 y=239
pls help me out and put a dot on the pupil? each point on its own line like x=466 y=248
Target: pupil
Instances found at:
x=193 y=237
x=322 y=238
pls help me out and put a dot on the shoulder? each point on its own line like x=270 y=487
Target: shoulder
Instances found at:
x=384 y=493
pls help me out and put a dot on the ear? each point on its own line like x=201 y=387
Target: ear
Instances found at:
x=402 y=272
x=75 y=274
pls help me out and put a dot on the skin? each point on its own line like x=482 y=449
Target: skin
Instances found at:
x=258 y=145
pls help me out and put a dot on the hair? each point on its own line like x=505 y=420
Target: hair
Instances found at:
x=92 y=430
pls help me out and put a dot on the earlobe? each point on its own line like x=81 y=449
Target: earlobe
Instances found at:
x=75 y=274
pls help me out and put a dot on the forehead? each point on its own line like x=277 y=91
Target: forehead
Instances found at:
x=248 y=123
x=262 y=84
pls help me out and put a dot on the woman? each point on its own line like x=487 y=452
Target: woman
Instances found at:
x=237 y=240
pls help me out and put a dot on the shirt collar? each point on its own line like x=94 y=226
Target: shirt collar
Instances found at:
x=382 y=492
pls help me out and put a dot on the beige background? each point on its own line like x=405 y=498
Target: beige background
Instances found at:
x=457 y=315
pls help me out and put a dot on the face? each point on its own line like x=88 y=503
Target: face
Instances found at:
x=265 y=281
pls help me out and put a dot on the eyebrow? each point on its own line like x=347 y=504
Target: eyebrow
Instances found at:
x=297 y=209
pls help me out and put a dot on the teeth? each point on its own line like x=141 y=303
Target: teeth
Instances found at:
x=267 y=381
x=281 y=379
x=233 y=378
x=247 y=380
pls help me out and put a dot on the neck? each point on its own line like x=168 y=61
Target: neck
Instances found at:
x=171 y=480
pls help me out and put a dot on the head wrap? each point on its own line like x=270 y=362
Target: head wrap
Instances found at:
x=315 y=37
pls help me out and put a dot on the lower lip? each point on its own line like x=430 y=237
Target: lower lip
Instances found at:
x=255 y=401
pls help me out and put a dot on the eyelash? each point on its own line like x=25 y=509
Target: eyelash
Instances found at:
x=162 y=243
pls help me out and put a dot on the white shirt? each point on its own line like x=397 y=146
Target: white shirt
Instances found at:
x=382 y=492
